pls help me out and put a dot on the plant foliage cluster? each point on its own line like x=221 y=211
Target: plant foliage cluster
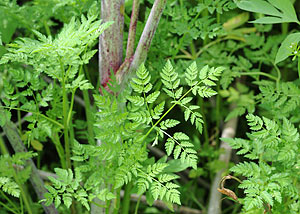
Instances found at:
x=159 y=136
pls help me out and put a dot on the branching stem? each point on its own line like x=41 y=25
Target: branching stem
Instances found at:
x=175 y=103
x=65 y=115
x=259 y=73
x=137 y=205
x=37 y=113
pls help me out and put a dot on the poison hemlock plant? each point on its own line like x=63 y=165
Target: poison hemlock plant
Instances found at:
x=66 y=187
x=60 y=59
x=42 y=76
x=125 y=132
x=272 y=175
x=28 y=65
x=11 y=178
x=280 y=100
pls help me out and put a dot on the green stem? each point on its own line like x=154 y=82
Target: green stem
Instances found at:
x=3 y=148
x=184 y=57
x=205 y=130
x=89 y=112
x=21 y=205
x=208 y=45
x=8 y=208
x=147 y=106
x=117 y=201
x=19 y=115
x=89 y=117
x=278 y=75
x=72 y=138
x=298 y=66
x=98 y=205
x=181 y=40
x=35 y=179
x=218 y=17
x=137 y=205
x=87 y=75
x=73 y=207
x=8 y=200
x=107 y=207
x=71 y=108
x=23 y=194
x=47 y=29
x=205 y=14
x=259 y=73
x=236 y=208
x=126 y=199
x=175 y=103
x=201 y=206
x=37 y=113
x=277 y=70
x=284 y=28
x=193 y=50
x=65 y=114
x=59 y=149
x=66 y=128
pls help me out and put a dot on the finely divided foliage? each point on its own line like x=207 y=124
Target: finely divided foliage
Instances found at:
x=106 y=151
x=273 y=147
x=61 y=59
x=8 y=184
x=124 y=132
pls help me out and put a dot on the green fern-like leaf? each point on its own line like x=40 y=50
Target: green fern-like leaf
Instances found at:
x=136 y=100
x=170 y=80
x=181 y=136
x=168 y=123
x=158 y=110
x=186 y=100
x=182 y=150
x=140 y=117
x=251 y=202
x=122 y=177
x=173 y=195
x=289 y=132
x=267 y=197
x=9 y=186
x=191 y=74
x=142 y=83
x=195 y=117
x=156 y=169
x=166 y=177
x=67 y=199
x=254 y=122
x=152 y=97
x=155 y=190
x=177 y=151
x=105 y=195
x=65 y=187
x=238 y=143
x=169 y=145
x=205 y=91
x=249 y=169
x=142 y=185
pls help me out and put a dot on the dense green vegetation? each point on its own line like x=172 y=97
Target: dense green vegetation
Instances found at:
x=149 y=106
